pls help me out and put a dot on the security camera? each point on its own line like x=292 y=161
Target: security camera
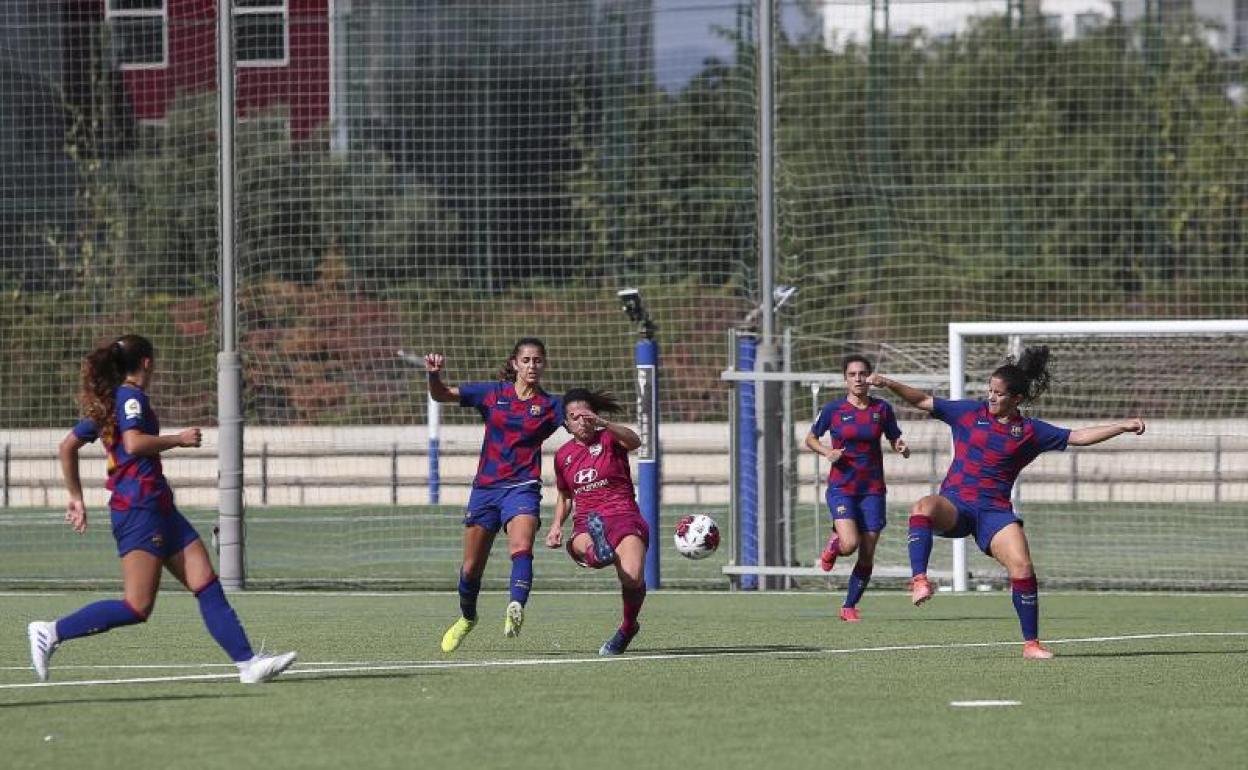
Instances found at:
x=630 y=299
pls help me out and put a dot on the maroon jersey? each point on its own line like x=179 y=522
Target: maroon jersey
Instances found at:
x=596 y=477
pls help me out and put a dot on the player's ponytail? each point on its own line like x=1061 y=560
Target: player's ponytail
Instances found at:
x=103 y=370
x=599 y=401
x=1029 y=377
x=507 y=372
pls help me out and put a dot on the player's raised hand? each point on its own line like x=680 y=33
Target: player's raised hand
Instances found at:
x=554 y=537
x=875 y=380
x=1134 y=425
x=191 y=437
x=76 y=515
x=902 y=448
x=434 y=363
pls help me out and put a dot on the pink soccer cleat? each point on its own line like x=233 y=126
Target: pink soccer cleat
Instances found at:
x=1033 y=650
x=920 y=589
x=827 y=559
x=850 y=615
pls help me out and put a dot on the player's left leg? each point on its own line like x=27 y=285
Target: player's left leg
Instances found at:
x=630 y=567
x=521 y=532
x=1009 y=547
x=861 y=576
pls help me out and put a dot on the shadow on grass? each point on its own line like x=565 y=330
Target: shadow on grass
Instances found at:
x=1147 y=653
x=123 y=699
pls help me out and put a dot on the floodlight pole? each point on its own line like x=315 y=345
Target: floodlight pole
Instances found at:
x=646 y=357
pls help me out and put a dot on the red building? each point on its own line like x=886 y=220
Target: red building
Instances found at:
x=282 y=54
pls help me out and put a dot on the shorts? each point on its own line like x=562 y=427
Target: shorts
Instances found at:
x=618 y=527
x=161 y=533
x=983 y=523
x=492 y=509
x=867 y=511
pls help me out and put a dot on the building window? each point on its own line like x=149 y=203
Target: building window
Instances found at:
x=261 y=33
x=139 y=30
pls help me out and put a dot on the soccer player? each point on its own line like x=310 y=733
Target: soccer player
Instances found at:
x=596 y=486
x=993 y=442
x=151 y=533
x=506 y=492
x=856 y=490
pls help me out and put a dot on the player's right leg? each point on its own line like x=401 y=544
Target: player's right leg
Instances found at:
x=630 y=567
x=1008 y=545
x=930 y=514
x=477 y=541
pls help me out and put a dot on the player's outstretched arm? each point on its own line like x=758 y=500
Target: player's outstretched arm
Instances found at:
x=912 y=396
x=141 y=444
x=75 y=509
x=439 y=390
x=1098 y=433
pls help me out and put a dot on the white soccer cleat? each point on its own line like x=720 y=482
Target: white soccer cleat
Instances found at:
x=263 y=668
x=513 y=620
x=43 y=643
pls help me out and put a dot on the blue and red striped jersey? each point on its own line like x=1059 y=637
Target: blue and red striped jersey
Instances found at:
x=989 y=454
x=134 y=481
x=857 y=432
x=511 y=452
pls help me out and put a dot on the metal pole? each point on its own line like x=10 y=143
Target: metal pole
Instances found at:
x=434 y=420
x=766 y=169
x=957 y=389
x=646 y=356
x=229 y=363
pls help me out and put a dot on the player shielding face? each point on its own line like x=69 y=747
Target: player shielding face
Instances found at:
x=596 y=487
x=150 y=532
x=993 y=442
x=506 y=492
x=856 y=495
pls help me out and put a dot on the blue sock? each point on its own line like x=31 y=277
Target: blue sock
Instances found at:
x=521 y=576
x=858 y=581
x=920 y=544
x=97 y=618
x=222 y=622
x=1027 y=605
x=468 y=590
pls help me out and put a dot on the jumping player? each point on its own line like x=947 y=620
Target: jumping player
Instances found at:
x=507 y=491
x=596 y=486
x=151 y=533
x=993 y=442
x=856 y=490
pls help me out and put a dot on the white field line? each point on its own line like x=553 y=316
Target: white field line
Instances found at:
x=333 y=667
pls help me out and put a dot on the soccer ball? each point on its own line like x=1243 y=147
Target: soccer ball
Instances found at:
x=697 y=536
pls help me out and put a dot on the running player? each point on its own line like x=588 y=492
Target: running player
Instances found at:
x=151 y=533
x=596 y=486
x=856 y=489
x=507 y=490
x=993 y=442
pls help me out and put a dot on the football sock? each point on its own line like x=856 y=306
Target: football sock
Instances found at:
x=96 y=618
x=1027 y=605
x=633 y=599
x=920 y=544
x=858 y=581
x=468 y=590
x=222 y=622
x=522 y=575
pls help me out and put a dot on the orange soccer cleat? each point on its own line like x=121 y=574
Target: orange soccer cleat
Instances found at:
x=1033 y=650
x=850 y=615
x=920 y=589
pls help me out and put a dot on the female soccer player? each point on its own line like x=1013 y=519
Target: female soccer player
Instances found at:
x=507 y=491
x=993 y=442
x=592 y=474
x=151 y=533
x=856 y=480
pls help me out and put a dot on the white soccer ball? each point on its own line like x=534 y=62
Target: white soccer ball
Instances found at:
x=697 y=536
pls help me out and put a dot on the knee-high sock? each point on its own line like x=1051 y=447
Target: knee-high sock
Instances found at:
x=223 y=622
x=1027 y=605
x=521 y=576
x=633 y=599
x=468 y=590
x=857 y=585
x=920 y=544
x=96 y=618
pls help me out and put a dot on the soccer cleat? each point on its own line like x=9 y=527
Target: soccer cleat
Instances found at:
x=43 y=643
x=1033 y=650
x=827 y=559
x=618 y=643
x=513 y=619
x=920 y=589
x=850 y=615
x=454 y=635
x=604 y=554
x=264 y=668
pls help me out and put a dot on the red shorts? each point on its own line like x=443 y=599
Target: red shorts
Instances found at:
x=618 y=527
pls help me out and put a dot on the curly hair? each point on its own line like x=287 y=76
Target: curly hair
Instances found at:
x=1029 y=376
x=103 y=370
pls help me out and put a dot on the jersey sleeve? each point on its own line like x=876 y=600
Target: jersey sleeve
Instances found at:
x=948 y=411
x=892 y=431
x=86 y=430
x=823 y=422
x=1050 y=437
x=474 y=393
x=132 y=412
